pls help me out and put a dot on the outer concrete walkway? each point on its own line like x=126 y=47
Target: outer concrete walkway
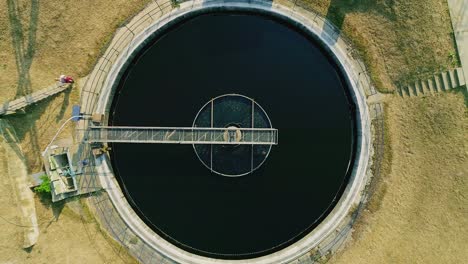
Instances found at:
x=459 y=15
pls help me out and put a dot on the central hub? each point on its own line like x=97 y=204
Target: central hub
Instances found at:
x=233 y=112
x=232 y=134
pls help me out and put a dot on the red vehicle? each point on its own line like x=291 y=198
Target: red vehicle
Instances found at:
x=66 y=79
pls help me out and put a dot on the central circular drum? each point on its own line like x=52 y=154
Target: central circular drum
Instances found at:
x=233 y=112
x=251 y=65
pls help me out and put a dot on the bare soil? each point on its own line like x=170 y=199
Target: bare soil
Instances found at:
x=39 y=40
x=16 y=172
x=420 y=211
x=64 y=235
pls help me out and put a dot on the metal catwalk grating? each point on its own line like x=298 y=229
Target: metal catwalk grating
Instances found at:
x=182 y=135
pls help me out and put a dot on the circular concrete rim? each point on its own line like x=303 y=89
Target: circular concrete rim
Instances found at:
x=240 y=135
x=350 y=196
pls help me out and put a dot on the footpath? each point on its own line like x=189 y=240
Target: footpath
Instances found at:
x=459 y=16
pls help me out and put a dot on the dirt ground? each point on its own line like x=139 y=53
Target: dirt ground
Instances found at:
x=419 y=213
x=420 y=210
x=66 y=235
x=16 y=175
x=40 y=40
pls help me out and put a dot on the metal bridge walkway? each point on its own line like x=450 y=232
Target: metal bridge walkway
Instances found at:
x=182 y=135
x=10 y=107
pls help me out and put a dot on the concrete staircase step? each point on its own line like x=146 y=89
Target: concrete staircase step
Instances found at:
x=418 y=87
x=438 y=82
x=446 y=81
x=453 y=79
x=412 y=89
x=401 y=91
x=443 y=81
x=432 y=85
x=425 y=87
x=460 y=78
x=405 y=91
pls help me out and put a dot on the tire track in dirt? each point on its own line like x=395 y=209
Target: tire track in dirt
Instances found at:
x=24 y=48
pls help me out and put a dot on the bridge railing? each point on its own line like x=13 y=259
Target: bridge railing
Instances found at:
x=182 y=135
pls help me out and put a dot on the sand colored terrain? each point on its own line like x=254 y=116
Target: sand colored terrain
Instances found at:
x=17 y=177
x=419 y=212
x=66 y=235
x=38 y=41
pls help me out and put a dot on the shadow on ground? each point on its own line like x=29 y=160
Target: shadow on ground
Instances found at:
x=463 y=90
x=338 y=9
x=24 y=45
x=24 y=53
x=25 y=124
x=46 y=201
x=64 y=104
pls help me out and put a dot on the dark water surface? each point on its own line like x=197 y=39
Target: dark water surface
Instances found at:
x=301 y=91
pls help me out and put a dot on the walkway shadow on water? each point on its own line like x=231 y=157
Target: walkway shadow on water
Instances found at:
x=24 y=46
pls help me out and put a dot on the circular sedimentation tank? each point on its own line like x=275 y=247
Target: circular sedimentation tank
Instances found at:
x=241 y=203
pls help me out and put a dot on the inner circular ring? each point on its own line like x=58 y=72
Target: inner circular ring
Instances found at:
x=233 y=112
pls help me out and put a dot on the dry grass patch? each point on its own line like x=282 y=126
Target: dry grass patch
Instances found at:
x=400 y=40
x=422 y=216
x=40 y=40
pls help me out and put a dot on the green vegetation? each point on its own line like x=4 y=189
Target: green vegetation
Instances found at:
x=174 y=3
x=453 y=59
x=44 y=188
